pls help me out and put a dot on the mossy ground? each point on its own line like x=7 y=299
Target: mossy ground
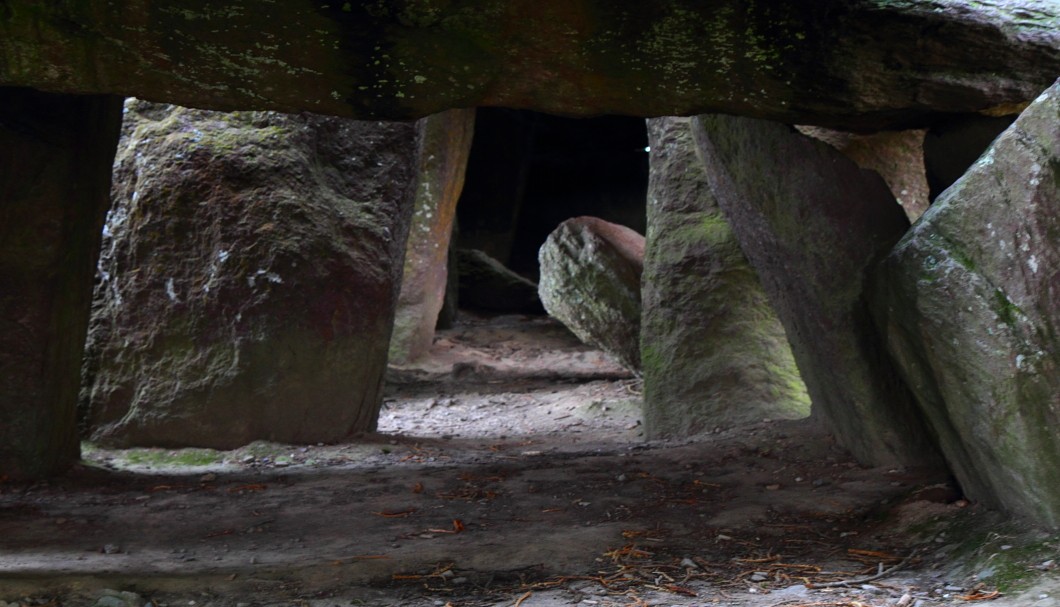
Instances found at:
x=1002 y=554
x=159 y=458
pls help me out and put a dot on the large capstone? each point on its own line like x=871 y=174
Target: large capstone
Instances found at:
x=249 y=277
x=590 y=281
x=969 y=304
x=712 y=350
x=858 y=63
x=440 y=177
x=813 y=223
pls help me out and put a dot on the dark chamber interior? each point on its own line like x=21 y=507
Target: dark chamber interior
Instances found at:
x=528 y=172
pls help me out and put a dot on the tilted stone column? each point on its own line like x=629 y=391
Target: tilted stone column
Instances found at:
x=56 y=153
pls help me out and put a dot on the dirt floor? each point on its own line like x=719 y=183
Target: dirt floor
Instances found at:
x=509 y=471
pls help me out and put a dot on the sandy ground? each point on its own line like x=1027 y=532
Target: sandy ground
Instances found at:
x=509 y=471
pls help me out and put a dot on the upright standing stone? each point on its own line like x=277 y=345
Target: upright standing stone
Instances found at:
x=440 y=178
x=249 y=277
x=812 y=224
x=56 y=153
x=713 y=352
x=898 y=156
x=590 y=281
x=970 y=305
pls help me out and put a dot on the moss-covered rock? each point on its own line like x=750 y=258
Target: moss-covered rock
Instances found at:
x=445 y=144
x=249 y=276
x=813 y=224
x=590 y=281
x=712 y=350
x=969 y=305
x=56 y=153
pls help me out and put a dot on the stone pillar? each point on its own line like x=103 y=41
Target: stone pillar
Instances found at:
x=56 y=153
x=446 y=142
x=250 y=272
x=898 y=156
x=969 y=306
x=813 y=224
x=712 y=349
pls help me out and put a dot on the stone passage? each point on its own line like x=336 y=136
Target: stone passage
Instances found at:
x=813 y=224
x=968 y=301
x=712 y=350
x=590 y=281
x=249 y=277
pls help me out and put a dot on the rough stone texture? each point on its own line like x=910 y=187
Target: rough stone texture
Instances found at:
x=812 y=224
x=969 y=303
x=446 y=141
x=590 y=281
x=249 y=277
x=55 y=158
x=712 y=350
x=898 y=156
x=858 y=63
x=485 y=284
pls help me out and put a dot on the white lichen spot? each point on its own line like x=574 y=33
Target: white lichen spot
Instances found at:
x=1033 y=263
x=418 y=79
x=222 y=255
x=171 y=290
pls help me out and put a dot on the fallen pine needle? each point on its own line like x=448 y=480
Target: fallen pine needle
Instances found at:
x=220 y=533
x=251 y=487
x=519 y=601
x=981 y=596
x=882 y=573
x=873 y=554
x=395 y=514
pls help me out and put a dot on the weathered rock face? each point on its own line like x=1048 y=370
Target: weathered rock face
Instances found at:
x=894 y=63
x=485 y=284
x=812 y=224
x=712 y=349
x=249 y=277
x=969 y=303
x=55 y=157
x=897 y=156
x=590 y=281
x=446 y=141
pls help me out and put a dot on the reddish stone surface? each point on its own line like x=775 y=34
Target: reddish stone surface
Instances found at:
x=446 y=143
